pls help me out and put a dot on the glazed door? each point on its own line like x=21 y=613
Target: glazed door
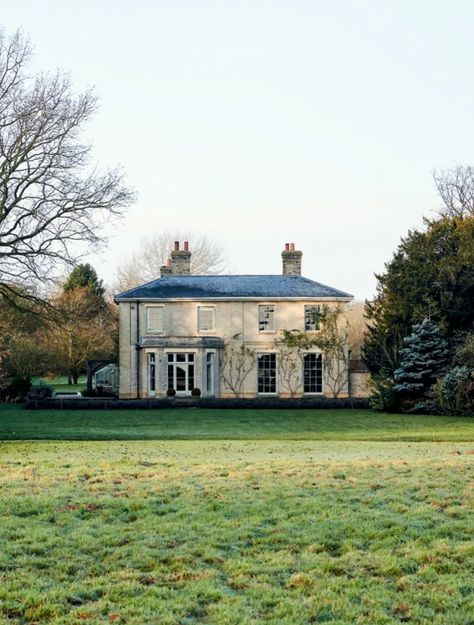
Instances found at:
x=181 y=372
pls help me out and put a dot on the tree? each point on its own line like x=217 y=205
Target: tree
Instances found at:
x=207 y=258
x=464 y=350
x=422 y=359
x=50 y=199
x=290 y=347
x=330 y=340
x=84 y=276
x=454 y=392
x=456 y=189
x=80 y=332
x=356 y=328
x=236 y=363
x=430 y=275
x=28 y=356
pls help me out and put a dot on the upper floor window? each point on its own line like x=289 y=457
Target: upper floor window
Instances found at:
x=154 y=318
x=206 y=318
x=266 y=318
x=312 y=316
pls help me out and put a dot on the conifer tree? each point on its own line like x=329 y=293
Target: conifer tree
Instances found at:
x=422 y=359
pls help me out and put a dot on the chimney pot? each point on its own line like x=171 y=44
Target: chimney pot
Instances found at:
x=292 y=247
x=176 y=246
x=186 y=246
x=168 y=262
x=287 y=247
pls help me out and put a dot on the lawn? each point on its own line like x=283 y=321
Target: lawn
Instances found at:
x=60 y=383
x=192 y=423
x=236 y=518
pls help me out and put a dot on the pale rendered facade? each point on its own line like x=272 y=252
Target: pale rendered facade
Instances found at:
x=173 y=331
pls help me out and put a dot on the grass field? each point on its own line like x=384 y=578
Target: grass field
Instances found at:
x=192 y=423
x=236 y=518
x=60 y=383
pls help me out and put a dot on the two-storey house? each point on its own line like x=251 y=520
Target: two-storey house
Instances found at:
x=174 y=331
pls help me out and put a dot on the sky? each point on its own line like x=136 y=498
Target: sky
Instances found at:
x=263 y=122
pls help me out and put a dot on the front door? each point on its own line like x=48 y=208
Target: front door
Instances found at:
x=181 y=372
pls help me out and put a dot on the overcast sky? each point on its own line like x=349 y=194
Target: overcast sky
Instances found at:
x=261 y=122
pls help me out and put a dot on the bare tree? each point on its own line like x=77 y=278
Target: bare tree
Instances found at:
x=80 y=332
x=52 y=203
x=144 y=265
x=236 y=363
x=290 y=347
x=456 y=189
x=356 y=328
x=332 y=341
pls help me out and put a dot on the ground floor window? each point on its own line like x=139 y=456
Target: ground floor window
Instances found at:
x=313 y=373
x=151 y=366
x=181 y=372
x=266 y=365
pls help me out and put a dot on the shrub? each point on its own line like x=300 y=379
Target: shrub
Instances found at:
x=171 y=392
x=464 y=353
x=384 y=397
x=40 y=391
x=196 y=392
x=18 y=387
x=454 y=392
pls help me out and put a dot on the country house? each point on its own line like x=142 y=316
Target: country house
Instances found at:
x=220 y=333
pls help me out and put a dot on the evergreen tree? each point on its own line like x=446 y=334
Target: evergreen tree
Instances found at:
x=84 y=276
x=422 y=360
x=430 y=275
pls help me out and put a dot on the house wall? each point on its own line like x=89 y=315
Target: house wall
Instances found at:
x=360 y=384
x=181 y=323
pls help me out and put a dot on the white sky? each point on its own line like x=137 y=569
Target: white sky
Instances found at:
x=261 y=122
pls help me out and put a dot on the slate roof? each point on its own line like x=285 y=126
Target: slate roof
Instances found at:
x=236 y=287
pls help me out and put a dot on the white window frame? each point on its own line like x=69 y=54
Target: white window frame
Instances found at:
x=268 y=393
x=321 y=392
x=147 y=326
x=213 y=310
x=212 y=364
x=260 y=307
x=151 y=362
x=185 y=364
x=318 y=328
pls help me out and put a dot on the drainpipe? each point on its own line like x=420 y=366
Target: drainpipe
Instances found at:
x=137 y=346
x=349 y=387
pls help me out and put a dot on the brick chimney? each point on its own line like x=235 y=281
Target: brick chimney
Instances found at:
x=165 y=270
x=181 y=260
x=291 y=260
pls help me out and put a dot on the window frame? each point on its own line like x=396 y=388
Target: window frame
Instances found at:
x=149 y=330
x=151 y=365
x=210 y=366
x=321 y=392
x=318 y=328
x=211 y=308
x=189 y=360
x=273 y=330
x=259 y=355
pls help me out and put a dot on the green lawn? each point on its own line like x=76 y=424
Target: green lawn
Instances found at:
x=60 y=383
x=245 y=518
x=364 y=425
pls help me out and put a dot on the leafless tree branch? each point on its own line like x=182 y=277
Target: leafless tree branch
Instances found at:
x=52 y=203
x=456 y=189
